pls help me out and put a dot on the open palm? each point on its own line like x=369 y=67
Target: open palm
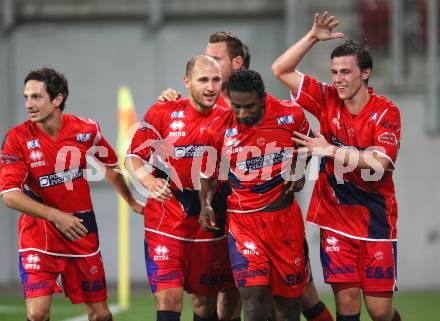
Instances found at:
x=323 y=25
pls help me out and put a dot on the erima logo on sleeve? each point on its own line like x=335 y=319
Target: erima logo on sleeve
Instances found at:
x=35 y=143
x=286 y=120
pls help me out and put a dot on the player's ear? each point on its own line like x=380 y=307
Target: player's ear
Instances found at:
x=58 y=100
x=186 y=82
x=237 y=62
x=366 y=73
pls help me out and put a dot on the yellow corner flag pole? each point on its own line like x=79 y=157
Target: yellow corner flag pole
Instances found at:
x=126 y=118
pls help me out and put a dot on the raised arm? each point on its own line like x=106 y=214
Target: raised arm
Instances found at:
x=284 y=67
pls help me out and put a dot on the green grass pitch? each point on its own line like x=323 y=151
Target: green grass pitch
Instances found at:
x=413 y=306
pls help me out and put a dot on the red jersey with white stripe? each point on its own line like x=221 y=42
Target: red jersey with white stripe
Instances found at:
x=52 y=171
x=171 y=138
x=362 y=207
x=257 y=156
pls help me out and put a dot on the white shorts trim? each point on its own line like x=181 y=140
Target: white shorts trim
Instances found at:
x=184 y=238
x=59 y=254
x=352 y=236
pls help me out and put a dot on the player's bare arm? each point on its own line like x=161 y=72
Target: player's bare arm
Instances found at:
x=158 y=188
x=207 y=218
x=284 y=67
x=169 y=94
x=68 y=224
x=117 y=180
x=319 y=146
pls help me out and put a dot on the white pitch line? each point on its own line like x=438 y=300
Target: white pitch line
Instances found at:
x=114 y=308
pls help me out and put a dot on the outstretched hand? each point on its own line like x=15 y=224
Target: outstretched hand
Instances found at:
x=313 y=146
x=323 y=26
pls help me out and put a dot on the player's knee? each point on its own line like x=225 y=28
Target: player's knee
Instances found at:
x=204 y=307
x=38 y=315
x=100 y=316
x=169 y=303
x=381 y=314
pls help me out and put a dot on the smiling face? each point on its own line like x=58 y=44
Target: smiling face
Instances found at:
x=347 y=77
x=204 y=84
x=39 y=106
x=248 y=107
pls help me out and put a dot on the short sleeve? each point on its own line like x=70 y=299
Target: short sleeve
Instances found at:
x=103 y=151
x=311 y=95
x=387 y=133
x=13 y=168
x=301 y=122
x=146 y=135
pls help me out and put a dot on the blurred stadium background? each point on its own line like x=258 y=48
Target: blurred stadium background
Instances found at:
x=101 y=45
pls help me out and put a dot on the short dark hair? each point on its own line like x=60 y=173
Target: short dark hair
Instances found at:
x=235 y=46
x=355 y=48
x=246 y=80
x=192 y=62
x=55 y=83
x=246 y=57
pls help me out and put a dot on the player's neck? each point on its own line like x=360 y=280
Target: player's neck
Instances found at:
x=224 y=94
x=356 y=103
x=199 y=108
x=52 y=125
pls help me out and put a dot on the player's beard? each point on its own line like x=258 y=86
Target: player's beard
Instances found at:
x=199 y=100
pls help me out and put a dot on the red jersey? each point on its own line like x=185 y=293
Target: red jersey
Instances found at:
x=257 y=156
x=358 y=208
x=171 y=138
x=51 y=171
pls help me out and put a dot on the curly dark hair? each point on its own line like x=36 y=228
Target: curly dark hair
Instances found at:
x=55 y=83
x=246 y=80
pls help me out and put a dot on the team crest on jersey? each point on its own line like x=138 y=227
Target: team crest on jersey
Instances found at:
x=178 y=114
x=231 y=132
x=286 y=120
x=177 y=125
x=83 y=137
x=373 y=116
x=35 y=143
x=161 y=253
x=32 y=262
x=250 y=248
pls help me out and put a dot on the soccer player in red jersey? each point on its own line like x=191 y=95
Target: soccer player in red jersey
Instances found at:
x=266 y=231
x=232 y=54
x=179 y=254
x=353 y=201
x=43 y=175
